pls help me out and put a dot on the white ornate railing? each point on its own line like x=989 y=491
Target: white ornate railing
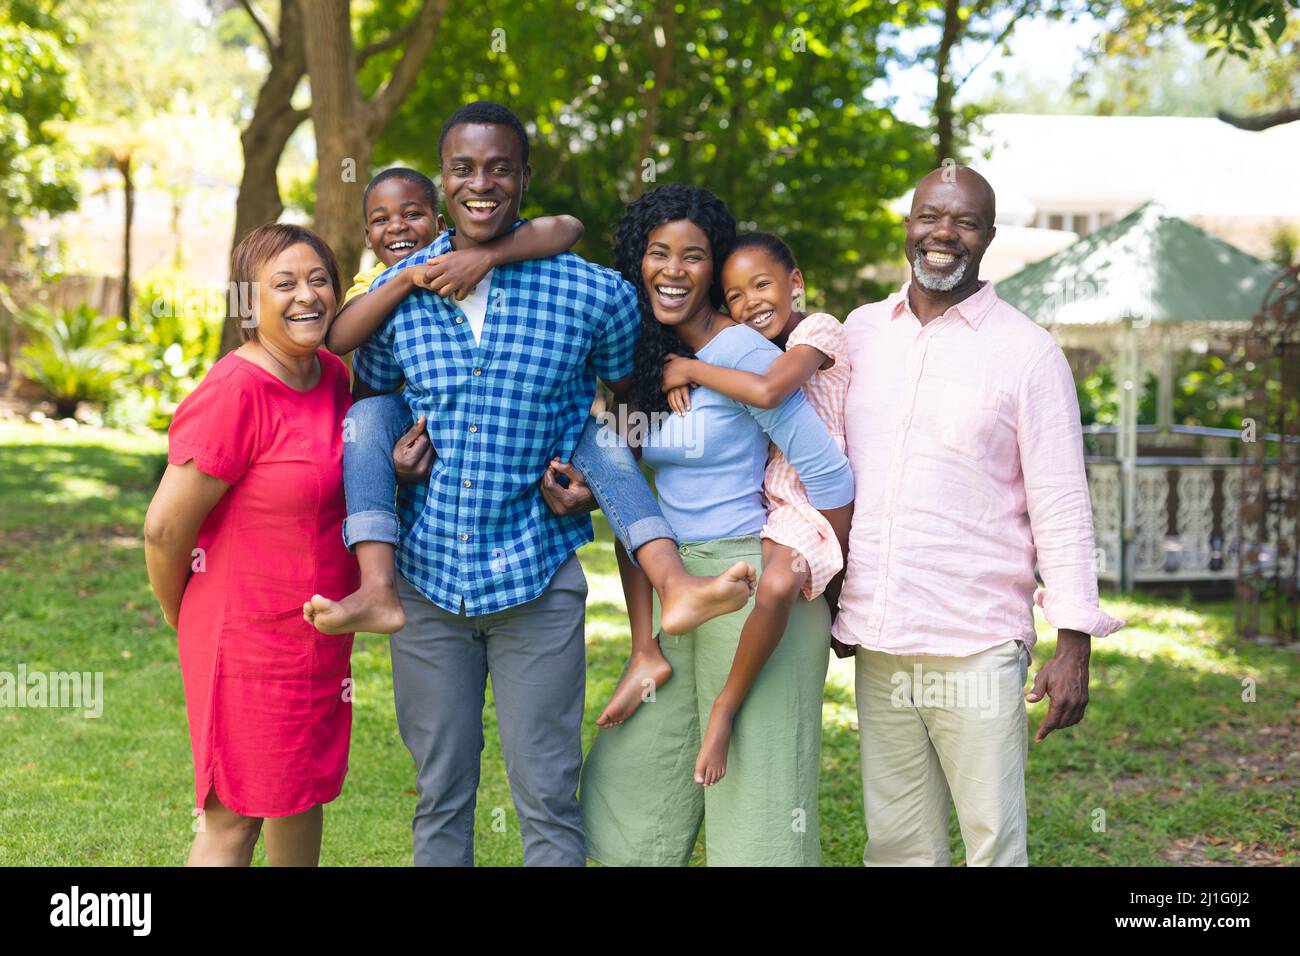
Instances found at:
x=1186 y=521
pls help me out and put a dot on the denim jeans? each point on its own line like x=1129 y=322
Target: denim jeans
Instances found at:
x=620 y=489
x=372 y=428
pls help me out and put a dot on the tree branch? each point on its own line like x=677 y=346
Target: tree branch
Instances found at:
x=997 y=42
x=263 y=26
x=1261 y=121
x=396 y=38
x=392 y=91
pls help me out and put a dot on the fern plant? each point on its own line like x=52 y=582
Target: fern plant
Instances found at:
x=75 y=355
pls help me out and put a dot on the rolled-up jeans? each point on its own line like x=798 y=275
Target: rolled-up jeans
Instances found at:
x=370 y=430
x=373 y=425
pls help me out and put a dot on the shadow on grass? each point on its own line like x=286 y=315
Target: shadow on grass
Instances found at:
x=1170 y=754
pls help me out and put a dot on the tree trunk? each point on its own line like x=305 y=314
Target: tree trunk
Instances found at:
x=274 y=121
x=347 y=125
x=342 y=151
x=123 y=164
x=944 y=89
x=661 y=58
x=337 y=111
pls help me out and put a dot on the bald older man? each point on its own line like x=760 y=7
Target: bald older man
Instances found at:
x=964 y=436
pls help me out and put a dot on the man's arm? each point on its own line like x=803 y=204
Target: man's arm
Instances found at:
x=1060 y=516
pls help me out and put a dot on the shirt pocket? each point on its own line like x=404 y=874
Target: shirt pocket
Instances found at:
x=267 y=645
x=967 y=423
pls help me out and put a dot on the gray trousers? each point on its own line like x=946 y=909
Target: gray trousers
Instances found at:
x=537 y=658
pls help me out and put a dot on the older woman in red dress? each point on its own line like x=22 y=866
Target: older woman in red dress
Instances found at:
x=245 y=526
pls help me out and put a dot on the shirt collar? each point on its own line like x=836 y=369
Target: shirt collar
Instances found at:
x=973 y=308
x=443 y=242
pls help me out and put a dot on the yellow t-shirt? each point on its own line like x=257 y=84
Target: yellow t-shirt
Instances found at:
x=361 y=284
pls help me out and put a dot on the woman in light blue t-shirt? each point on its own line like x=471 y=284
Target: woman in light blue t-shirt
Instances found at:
x=640 y=802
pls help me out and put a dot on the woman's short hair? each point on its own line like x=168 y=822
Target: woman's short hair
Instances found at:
x=258 y=248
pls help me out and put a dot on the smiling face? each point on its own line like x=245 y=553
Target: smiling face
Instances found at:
x=677 y=269
x=484 y=178
x=949 y=229
x=399 y=220
x=760 y=291
x=295 y=301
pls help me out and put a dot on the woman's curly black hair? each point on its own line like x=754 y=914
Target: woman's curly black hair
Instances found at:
x=663 y=204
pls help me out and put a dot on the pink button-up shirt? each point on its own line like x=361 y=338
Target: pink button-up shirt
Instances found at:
x=967 y=455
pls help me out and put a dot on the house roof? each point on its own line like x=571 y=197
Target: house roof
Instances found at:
x=1147 y=266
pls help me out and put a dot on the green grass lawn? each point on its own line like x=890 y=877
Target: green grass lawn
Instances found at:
x=1170 y=766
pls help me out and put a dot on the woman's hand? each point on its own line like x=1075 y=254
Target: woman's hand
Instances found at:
x=677 y=372
x=172 y=616
x=454 y=273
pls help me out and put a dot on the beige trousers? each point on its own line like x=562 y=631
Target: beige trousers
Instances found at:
x=931 y=727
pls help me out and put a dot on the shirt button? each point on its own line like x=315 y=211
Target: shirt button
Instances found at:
x=460 y=319
x=473 y=428
x=468 y=483
x=464 y=537
x=478 y=371
x=905 y=422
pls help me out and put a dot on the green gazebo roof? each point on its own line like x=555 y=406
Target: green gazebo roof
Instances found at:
x=1147 y=266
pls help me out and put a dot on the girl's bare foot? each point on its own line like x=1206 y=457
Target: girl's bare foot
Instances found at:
x=373 y=608
x=644 y=672
x=711 y=764
x=688 y=601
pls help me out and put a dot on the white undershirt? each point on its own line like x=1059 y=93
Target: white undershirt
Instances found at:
x=475 y=306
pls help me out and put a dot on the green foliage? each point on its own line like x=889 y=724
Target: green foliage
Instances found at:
x=1232 y=27
x=1285 y=243
x=36 y=169
x=176 y=336
x=1209 y=391
x=763 y=102
x=299 y=193
x=75 y=355
x=1172 y=79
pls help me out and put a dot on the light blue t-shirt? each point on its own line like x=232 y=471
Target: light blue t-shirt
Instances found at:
x=709 y=463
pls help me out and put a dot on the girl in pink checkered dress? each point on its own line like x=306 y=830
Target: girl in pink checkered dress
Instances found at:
x=803 y=548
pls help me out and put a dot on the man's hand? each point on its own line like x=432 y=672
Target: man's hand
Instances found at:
x=575 y=499
x=843 y=650
x=1064 y=679
x=453 y=273
x=413 y=454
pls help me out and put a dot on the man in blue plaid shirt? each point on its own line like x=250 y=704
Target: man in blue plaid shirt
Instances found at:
x=488 y=576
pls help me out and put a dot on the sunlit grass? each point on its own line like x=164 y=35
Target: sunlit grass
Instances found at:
x=1170 y=751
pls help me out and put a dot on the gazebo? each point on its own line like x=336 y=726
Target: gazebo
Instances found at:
x=1141 y=291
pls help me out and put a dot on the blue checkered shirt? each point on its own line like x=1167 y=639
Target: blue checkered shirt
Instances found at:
x=478 y=535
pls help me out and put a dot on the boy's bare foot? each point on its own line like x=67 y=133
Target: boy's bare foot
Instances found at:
x=688 y=601
x=644 y=671
x=374 y=608
x=711 y=764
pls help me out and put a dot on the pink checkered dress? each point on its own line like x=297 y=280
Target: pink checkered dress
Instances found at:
x=791 y=520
